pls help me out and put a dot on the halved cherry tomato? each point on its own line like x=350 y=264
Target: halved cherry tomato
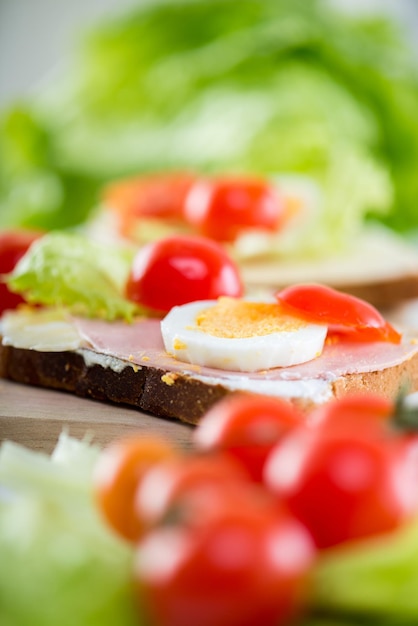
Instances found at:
x=347 y=316
x=222 y=207
x=160 y=196
x=119 y=471
x=13 y=245
x=346 y=479
x=243 y=564
x=179 y=269
x=247 y=427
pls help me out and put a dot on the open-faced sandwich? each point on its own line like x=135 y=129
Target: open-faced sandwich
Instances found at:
x=280 y=230
x=170 y=330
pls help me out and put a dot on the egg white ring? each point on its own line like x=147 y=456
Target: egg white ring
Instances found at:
x=248 y=354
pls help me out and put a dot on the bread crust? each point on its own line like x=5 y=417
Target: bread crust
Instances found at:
x=169 y=394
x=384 y=294
x=380 y=267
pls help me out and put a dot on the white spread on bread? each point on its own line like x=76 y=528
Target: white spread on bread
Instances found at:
x=104 y=360
x=46 y=330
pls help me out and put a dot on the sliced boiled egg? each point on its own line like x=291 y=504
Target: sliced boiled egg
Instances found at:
x=239 y=335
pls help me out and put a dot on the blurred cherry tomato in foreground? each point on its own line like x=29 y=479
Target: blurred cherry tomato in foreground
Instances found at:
x=247 y=427
x=179 y=484
x=368 y=413
x=214 y=547
x=244 y=564
x=120 y=469
x=222 y=207
x=13 y=245
x=346 y=479
x=346 y=315
x=180 y=269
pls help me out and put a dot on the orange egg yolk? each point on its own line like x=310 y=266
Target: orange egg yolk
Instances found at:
x=237 y=319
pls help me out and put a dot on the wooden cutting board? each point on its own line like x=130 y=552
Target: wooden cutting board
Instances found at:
x=35 y=417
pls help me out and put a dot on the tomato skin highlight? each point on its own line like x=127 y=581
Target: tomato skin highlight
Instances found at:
x=221 y=208
x=245 y=566
x=13 y=245
x=347 y=316
x=118 y=472
x=349 y=478
x=180 y=269
x=247 y=427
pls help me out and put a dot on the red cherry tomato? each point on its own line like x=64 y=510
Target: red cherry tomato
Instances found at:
x=160 y=196
x=13 y=245
x=119 y=471
x=346 y=480
x=221 y=208
x=366 y=412
x=180 y=269
x=243 y=565
x=246 y=427
x=346 y=315
x=181 y=483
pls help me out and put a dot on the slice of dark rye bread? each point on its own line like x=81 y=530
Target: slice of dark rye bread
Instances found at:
x=126 y=364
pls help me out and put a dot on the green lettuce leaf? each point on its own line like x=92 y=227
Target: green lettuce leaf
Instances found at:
x=68 y=270
x=373 y=581
x=60 y=564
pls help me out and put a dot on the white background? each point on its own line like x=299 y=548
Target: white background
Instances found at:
x=37 y=35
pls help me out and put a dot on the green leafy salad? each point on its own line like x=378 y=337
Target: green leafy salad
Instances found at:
x=59 y=563
x=279 y=86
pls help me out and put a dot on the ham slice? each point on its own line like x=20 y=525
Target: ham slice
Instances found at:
x=141 y=344
x=126 y=363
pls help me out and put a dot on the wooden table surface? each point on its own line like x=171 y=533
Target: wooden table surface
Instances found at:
x=35 y=417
